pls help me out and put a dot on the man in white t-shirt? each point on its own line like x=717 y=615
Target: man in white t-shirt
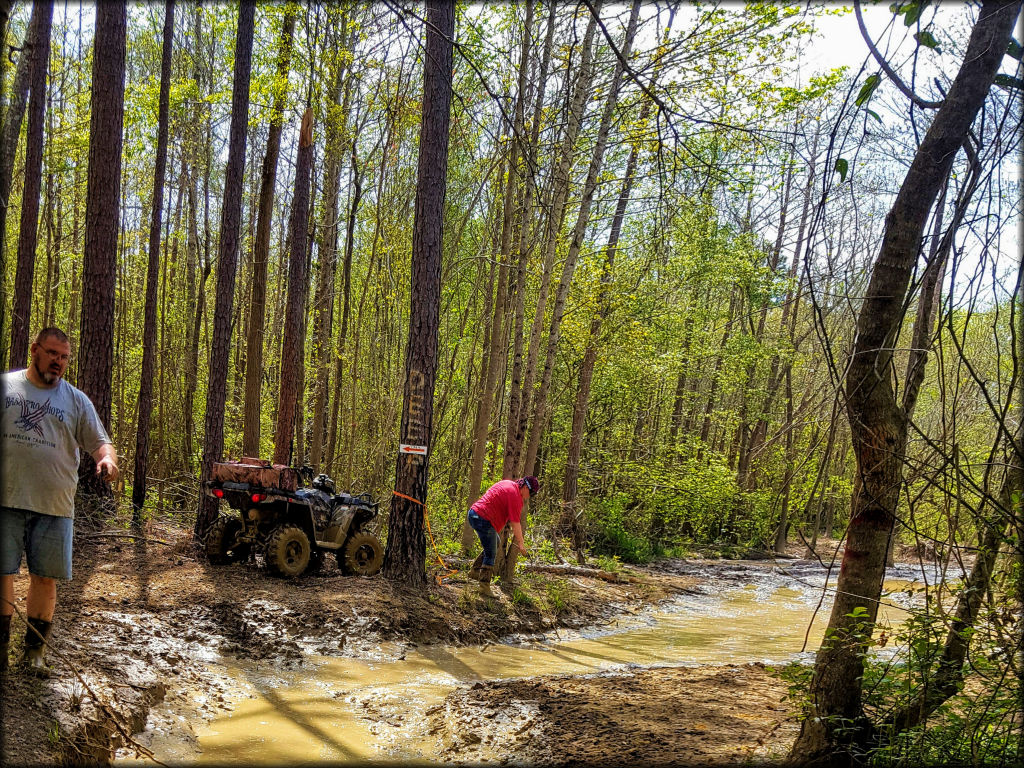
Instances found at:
x=44 y=423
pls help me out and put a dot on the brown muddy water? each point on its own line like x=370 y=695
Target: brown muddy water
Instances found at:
x=374 y=706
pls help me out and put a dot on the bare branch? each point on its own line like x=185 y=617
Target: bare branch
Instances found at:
x=889 y=71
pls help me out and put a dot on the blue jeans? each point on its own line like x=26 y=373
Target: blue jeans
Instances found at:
x=45 y=540
x=488 y=536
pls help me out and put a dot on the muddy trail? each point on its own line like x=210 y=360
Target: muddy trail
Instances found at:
x=154 y=648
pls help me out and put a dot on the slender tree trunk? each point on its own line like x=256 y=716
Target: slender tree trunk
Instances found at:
x=5 y=15
x=559 y=196
x=819 y=480
x=291 y=345
x=102 y=217
x=145 y=402
x=197 y=271
x=711 y=402
x=782 y=529
x=539 y=417
x=569 y=516
x=227 y=261
x=261 y=252
x=346 y=292
x=516 y=404
x=10 y=130
x=679 y=396
x=323 y=303
x=787 y=324
x=836 y=724
x=21 y=316
x=928 y=299
x=405 y=558
x=498 y=335
x=946 y=678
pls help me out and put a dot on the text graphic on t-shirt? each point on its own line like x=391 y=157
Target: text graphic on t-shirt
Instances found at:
x=33 y=413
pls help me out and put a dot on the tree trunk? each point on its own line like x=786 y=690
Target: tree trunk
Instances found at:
x=261 y=252
x=227 y=261
x=709 y=406
x=21 y=315
x=493 y=357
x=145 y=404
x=102 y=217
x=569 y=516
x=878 y=424
x=946 y=679
x=516 y=405
x=346 y=292
x=405 y=558
x=10 y=130
x=539 y=417
x=323 y=302
x=581 y=92
x=291 y=346
x=787 y=324
x=198 y=271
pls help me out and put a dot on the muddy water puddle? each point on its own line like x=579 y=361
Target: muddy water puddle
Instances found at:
x=376 y=707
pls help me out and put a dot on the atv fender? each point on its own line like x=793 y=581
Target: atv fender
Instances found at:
x=336 y=532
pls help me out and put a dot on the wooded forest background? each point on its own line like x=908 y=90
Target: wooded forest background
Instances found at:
x=650 y=277
x=713 y=299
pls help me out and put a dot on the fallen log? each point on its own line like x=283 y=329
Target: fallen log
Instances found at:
x=575 y=570
x=564 y=570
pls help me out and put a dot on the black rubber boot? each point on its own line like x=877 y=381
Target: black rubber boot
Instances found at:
x=35 y=647
x=5 y=639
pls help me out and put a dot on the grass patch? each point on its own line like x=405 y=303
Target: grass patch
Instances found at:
x=521 y=598
x=560 y=596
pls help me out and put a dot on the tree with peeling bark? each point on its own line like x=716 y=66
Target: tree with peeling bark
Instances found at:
x=405 y=556
x=836 y=728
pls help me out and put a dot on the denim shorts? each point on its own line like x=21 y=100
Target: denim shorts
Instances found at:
x=45 y=540
x=488 y=536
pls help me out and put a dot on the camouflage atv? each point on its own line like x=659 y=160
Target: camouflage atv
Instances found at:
x=292 y=525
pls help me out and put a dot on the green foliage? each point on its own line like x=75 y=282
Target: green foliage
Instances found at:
x=911 y=11
x=1015 y=50
x=544 y=551
x=842 y=167
x=560 y=596
x=868 y=89
x=927 y=39
x=662 y=506
x=610 y=563
x=521 y=598
x=973 y=727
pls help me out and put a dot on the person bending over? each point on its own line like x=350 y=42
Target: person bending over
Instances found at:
x=502 y=503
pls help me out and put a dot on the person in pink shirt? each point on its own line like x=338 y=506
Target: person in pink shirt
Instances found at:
x=502 y=503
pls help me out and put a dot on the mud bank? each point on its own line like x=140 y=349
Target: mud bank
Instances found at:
x=660 y=716
x=143 y=617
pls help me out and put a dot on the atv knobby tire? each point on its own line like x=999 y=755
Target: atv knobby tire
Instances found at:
x=287 y=551
x=219 y=539
x=363 y=555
